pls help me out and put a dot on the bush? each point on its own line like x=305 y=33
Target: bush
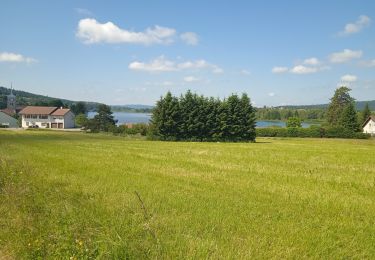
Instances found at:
x=135 y=129
x=312 y=131
x=294 y=122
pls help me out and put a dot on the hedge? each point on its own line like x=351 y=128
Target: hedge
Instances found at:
x=313 y=131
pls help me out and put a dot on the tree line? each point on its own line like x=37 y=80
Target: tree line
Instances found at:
x=332 y=114
x=277 y=113
x=197 y=118
x=192 y=117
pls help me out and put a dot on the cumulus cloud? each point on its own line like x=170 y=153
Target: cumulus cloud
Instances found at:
x=279 y=69
x=13 y=57
x=349 y=78
x=301 y=69
x=308 y=66
x=199 y=64
x=161 y=64
x=351 y=28
x=311 y=61
x=345 y=56
x=90 y=31
x=190 y=38
x=271 y=94
x=191 y=79
x=157 y=65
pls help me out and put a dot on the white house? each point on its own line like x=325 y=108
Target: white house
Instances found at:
x=369 y=125
x=47 y=117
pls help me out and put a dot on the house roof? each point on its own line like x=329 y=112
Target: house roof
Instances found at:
x=368 y=119
x=34 y=110
x=60 y=112
x=8 y=120
x=8 y=111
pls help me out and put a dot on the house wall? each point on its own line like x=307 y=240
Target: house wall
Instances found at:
x=369 y=127
x=69 y=120
x=42 y=123
x=57 y=120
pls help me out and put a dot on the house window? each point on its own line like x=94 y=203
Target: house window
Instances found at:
x=27 y=123
x=34 y=116
x=43 y=116
x=28 y=116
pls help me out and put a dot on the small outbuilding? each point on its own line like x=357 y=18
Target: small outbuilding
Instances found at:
x=369 y=125
x=6 y=121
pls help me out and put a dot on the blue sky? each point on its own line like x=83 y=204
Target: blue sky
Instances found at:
x=132 y=52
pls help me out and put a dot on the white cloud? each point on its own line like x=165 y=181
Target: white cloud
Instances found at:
x=350 y=28
x=349 y=78
x=345 y=56
x=83 y=11
x=190 y=38
x=279 y=69
x=300 y=69
x=308 y=66
x=271 y=94
x=369 y=63
x=191 y=79
x=90 y=31
x=245 y=72
x=13 y=57
x=161 y=64
x=311 y=61
x=199 y=64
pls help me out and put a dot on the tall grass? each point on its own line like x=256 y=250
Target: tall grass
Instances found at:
x=83 y=196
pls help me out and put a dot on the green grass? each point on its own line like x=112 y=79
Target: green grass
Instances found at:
x=72 y=195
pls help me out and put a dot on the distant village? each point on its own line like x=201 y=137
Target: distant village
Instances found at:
x=35 y=116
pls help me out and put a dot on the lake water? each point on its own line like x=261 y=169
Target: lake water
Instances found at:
x=124 y=117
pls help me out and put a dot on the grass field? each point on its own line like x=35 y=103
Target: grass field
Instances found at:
x=81 y=196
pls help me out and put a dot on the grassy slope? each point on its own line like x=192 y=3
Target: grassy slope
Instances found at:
x=72 y=194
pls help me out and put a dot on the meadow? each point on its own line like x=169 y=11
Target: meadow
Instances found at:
x=85 y=196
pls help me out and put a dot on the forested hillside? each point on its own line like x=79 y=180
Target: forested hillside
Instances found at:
x=359 y=105
x=28 y=99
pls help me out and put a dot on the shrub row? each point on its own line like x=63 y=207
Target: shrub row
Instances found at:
x=136 y=129
x=313 y=131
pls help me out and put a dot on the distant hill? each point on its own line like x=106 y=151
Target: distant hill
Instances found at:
x=28 y=99
x=139 y=106
x=132 y=108
x=358 y=104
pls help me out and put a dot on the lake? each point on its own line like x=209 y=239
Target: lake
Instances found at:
x=125 y=117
